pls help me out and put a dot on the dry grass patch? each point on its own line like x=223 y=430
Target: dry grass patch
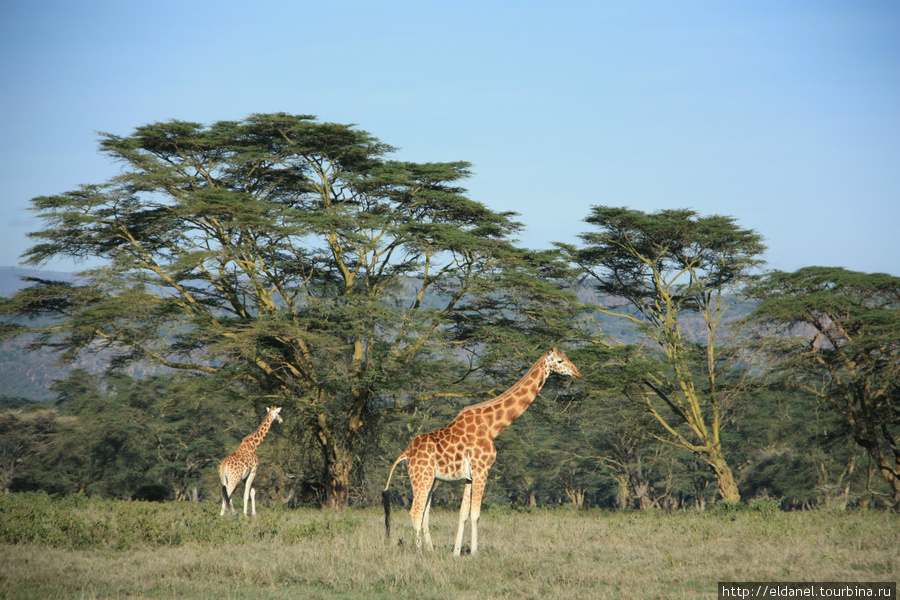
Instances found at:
x=532 y=554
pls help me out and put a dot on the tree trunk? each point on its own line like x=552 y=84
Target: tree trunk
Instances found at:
x=641 y=493
x=337 y=477
x=576 y=496
x=725 y=483
x=337 y=455
x=621 y=491
x=890 y=473
x=869 y=441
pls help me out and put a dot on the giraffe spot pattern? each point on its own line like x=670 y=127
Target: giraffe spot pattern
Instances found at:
x=465 y=448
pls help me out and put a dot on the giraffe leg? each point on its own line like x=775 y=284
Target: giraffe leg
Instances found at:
x=253 y=500
x=416 y=512
x=224 y=498
x=425 y=529
x=224 y=479
x=421 y=494
x=224 y=501
x=228 y=487
x=248 y=485
x=463 y=517
x=232 y=486
x=477 y=494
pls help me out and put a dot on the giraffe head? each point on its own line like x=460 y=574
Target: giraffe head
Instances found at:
x=557 y=362
x=273 y=413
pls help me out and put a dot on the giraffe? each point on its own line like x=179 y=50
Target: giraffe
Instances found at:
x=243 y=464
x=464 y=449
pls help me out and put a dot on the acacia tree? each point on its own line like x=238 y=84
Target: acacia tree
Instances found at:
x=657 y=271
x=24 y=435
x=294 y=259
x=117 y=436
x=836 y=334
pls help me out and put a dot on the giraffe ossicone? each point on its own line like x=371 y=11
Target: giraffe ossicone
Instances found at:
x=242 y=465
x=464 y=450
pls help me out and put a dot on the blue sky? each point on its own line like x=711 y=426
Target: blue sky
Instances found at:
x=782 y=114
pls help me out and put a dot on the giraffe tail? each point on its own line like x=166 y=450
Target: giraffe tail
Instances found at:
x=386 y=497
x=386 y=500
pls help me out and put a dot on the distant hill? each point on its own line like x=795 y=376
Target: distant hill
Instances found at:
x=11 y=278
x=23 y=373
x=28 y=374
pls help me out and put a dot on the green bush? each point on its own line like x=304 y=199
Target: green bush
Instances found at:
x=759 y=506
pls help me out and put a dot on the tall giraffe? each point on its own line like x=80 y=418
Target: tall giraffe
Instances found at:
x=243 y=463
x=464 y=449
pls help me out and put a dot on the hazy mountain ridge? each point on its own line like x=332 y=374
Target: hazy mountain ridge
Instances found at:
x=26 y=373
x=11 y=278
x=29 y=374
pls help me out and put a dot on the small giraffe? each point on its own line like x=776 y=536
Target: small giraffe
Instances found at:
x=464 y=449
x=243 y=464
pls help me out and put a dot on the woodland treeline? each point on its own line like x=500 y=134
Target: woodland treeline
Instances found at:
x=282 y=260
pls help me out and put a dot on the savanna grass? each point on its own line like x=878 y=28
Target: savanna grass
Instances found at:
x=181 y=550
x=84 y=524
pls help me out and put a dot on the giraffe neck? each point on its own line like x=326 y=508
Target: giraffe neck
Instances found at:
x=509 y=406
x=252 y=441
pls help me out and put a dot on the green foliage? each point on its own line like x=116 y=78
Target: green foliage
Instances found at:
x=578 y=444
x=652 y=270
x=116 y=436
x=794 y=449
x=765 y=507
x=293 y=260
x=634 y=246
x=833 y=333
x=283 y=260
x=24 y=435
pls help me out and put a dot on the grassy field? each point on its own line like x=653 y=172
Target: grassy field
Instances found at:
x=80 y=548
